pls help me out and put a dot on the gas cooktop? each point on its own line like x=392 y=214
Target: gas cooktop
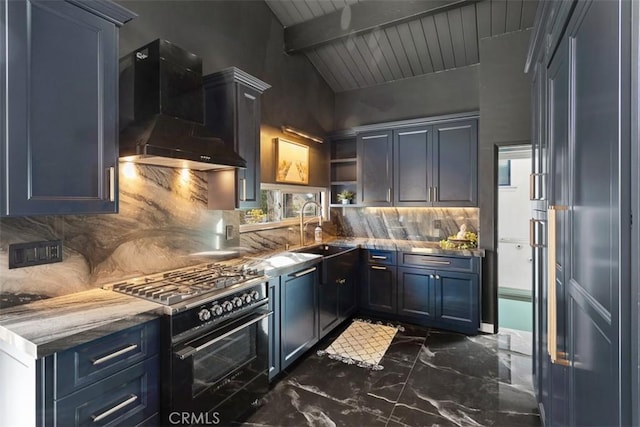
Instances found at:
x=191 y=284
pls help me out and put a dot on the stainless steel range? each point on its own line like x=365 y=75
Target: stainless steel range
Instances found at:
x=214 y=340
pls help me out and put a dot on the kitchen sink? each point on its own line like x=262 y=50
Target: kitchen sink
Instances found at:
x=326 y=251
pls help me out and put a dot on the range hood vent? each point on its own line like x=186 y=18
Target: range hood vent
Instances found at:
x=162 y=111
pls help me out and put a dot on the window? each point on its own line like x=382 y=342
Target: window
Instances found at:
x=281 y=205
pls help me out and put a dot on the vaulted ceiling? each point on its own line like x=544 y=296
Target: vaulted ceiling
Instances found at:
x=360 y=43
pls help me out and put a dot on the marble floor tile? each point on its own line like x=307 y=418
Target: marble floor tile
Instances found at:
x=429 y=378
x=290 y=405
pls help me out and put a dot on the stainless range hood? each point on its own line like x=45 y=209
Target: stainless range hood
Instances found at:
x=162 y=114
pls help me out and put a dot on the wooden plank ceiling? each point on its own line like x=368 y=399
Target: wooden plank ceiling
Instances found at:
x=363 y=49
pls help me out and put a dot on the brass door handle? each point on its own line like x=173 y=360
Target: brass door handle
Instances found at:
x=557 y=357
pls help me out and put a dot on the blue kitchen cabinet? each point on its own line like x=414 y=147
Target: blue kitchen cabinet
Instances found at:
x=375 y=168
x=337 y=290
x=299 y=320
x=378 y=289
x=113 y=380
x=274 y=327
x=232 y=112
x=59 y=135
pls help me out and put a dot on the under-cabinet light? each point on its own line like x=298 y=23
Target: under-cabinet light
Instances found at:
x=289 y=129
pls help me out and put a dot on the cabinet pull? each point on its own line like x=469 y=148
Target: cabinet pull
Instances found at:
x=431 y=276
x=429 y=194
x=552 y=307
x=437 y=277
x=97 y=418
x=435 y=194
x=378 y=257
x=341 y=281
x=377 y=267
x=113 y=355
x=532 y=236
x=111 y=182
x=304 y=272
x=244 y=189
x=430 y=261
x=388 y=194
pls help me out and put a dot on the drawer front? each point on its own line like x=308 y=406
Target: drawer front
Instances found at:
x=466 y=264
x=87 y=363
x=126 y=398
x=376 y=256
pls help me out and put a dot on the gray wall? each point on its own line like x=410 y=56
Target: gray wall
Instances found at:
x=505 y=119
x=244 y=34
x=453 y=91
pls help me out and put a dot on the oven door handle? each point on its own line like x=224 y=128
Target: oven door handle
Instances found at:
x=189 y=351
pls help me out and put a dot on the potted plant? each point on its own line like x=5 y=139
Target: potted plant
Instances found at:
x=345 y=197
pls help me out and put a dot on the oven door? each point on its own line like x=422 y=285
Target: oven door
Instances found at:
x=231 y=360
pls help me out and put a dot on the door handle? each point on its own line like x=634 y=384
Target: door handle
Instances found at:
x=552 y=306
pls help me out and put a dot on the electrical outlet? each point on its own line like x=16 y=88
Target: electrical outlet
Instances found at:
x=34 y=253
x=437 y=224
x=229 y=232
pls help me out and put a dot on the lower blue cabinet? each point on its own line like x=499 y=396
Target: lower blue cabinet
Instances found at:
x=113 y=380
x=299 y=319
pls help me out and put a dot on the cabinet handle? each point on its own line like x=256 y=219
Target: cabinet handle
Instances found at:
x=97 y=418
x=429 y=194
x=115 y=354
x=532 y=236
x=430 y=261
x=304 y=272
x=341 y=281
x=378 y=257
x=435 y=194
x=388 y=194
x=431 y=276
x=244 y=189
x=377 y=267
x=532 y=186
x=111 y=179
x=552 y=307
x=437 y=277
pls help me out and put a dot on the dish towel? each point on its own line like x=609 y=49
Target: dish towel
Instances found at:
x=363 y=343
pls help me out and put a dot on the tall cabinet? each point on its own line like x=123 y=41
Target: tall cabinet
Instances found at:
x=580 y=58
x=59 y=109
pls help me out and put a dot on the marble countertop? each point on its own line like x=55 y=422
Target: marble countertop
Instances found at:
x=422 y=247
x=47 y=326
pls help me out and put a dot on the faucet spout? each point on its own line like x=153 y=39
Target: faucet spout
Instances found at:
x=302 y=224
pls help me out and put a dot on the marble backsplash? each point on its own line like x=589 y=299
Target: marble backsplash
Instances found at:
x=422 y=224
x=163 y=224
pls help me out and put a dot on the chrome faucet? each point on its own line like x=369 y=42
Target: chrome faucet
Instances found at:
x=302 y=223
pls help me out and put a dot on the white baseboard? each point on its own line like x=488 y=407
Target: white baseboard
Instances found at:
x=486 y=327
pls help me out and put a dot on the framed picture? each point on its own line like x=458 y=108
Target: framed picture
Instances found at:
x=292 y=162
x=504 y=173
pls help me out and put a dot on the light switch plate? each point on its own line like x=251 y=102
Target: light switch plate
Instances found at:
x=229 y=232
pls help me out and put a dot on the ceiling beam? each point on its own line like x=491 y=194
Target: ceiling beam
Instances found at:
x=360 y=18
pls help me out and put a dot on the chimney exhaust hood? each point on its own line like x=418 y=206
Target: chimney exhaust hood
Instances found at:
x=162 y=111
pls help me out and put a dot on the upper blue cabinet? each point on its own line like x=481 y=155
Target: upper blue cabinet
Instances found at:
x=59 y=134
x=426 y=164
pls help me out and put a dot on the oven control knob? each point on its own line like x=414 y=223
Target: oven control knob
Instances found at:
x=204 y=315
x=246 y=298
x=216 y=310
x=255 y=295
x=227 y=306
x=237 y=302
